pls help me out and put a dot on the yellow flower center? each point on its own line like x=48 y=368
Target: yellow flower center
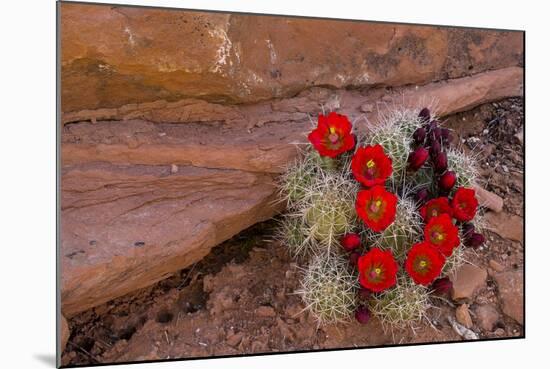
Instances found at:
x=332 y=130
x=375 y=206
x=370 y=164
x=440 y=237
x=423 y=263
x=377 y=271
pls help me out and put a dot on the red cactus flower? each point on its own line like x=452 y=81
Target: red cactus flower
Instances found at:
x=371 y=166
x=424 y=263
x=464 y=204
x=447 y=180
x=350 y=241
x=376 y=207
x=377 y=270
x=362 y=314
x=332 y=136
x=436 y=207
x=442 y=286
x=442 y=233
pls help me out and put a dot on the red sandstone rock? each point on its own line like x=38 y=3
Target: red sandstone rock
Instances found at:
x=489 y=199
x=506 y=225
x=510 y=291
x=113 y=56
x=467 y=280
x=126 y=227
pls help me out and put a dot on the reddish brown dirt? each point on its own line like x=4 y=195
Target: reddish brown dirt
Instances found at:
x=240 y=299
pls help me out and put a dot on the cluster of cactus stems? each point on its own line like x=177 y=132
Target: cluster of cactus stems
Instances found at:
x=329 y=289
x=320 y=194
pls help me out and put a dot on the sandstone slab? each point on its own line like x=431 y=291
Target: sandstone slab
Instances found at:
x=117 y=55
x=488 y=199
x=463 y=316
x=510 y=291
x=467 y=280
x=124 y=228
x=506 y=225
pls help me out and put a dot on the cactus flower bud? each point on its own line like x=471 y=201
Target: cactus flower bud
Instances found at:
x=422 y=195
x=435 y=148
x=424 y=114
x=442 y=286
x=440 y=162
x=467 y=230
x=417 y=158
x=362 y=314
x=447 y=181
x=350 y=241
x=475 y=240
x=419 y=135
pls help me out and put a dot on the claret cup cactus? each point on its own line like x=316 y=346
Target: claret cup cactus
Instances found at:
x=382 y=214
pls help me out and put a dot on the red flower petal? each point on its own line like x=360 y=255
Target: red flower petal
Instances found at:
x=424 y=263
x=464 y=204
x=435 y=207
x=371 y=166
x=377 y=270
x=332 y=136
x=442 y=233
x=376 y=207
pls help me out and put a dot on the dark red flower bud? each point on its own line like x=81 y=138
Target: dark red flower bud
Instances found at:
x=350 y=241
x=362 y=314
x=440 y=162
x=419 y=135
x=417 y=158
x=447 y=180
x=431 y=126
x=435 y=148
x=467 y=229
x=422 y=195
x=442 y=286
x=353 y=258
x=424 y=114
x=435 y=133
x=364 y=294
x=475 y=240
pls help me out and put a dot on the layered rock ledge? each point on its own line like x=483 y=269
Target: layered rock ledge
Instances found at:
x=116 y=55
